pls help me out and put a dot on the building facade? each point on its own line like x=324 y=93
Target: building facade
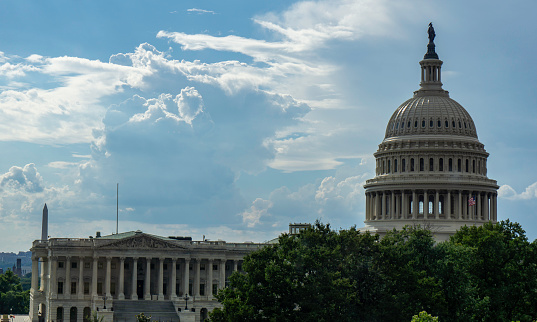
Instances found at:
x=125 y=274
x=431 y=168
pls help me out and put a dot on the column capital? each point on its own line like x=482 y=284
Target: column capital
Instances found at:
x=54 y=258
x=35 y=257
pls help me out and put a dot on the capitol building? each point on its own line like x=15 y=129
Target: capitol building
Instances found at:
x=431 y=170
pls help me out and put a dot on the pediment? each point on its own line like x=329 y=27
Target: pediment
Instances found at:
x=141 y=241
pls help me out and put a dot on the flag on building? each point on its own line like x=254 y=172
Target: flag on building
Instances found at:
x=471 y=201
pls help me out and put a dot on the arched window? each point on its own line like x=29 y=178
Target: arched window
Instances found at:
x=431 y=164
x=459 y=165
x=403 y=165
x=416 y=123
x=422 y=123
x=450 y=165
x=389 y=166
x=431 y=205
x=412 y=164
x=473 y=166
x=59 y=314
x=439 y=124
x=453 y=123
x=447 y=124
x=395 y=165
x=383 y=167
x=420 y=206
x=441 y=164
x=422 y=164
x=431 y=123
x=72 y=314
x=466 y=165
x=87 y=314
x=441 y=205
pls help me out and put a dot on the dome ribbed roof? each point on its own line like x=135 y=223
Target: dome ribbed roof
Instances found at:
x=430 y=115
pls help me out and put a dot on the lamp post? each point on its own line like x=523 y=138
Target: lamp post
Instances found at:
x=186 y=298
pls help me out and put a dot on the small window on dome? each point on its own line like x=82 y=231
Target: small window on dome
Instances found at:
x=473 y=166
x=408 y=124
x=460 y=125
x=464 y=124
x=431 y=164
x=411 y=164
x=447 y=124
x=416 y=123
x=470 y=125
x=389 y=166
x=450 y=165
x=453 y=124
x=422 y=164
x=423 y=123
x=395 y=165
x=397 y=126
x=431 y=123
x=439 y=123
x=466 y=165
x=403 y=165
x=441 y=164
x=402 y=125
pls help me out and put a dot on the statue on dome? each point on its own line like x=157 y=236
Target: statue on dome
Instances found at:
x=431 y=33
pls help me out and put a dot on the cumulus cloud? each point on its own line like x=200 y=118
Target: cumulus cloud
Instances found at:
x=253 y=215
x=508 y=192
x=26 y=178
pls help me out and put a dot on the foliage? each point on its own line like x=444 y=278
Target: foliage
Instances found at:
x=143 y=318
x=12 y=297
x=423 y=316
x=486 y=273
x=94 y=317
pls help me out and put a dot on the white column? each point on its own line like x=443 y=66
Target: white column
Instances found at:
x=173 y=290
x=415 y=204
x=478 y=213
x=222 y=274
x=67 y=286
x=81 y=277
x=43 y=277
x=460 y=205
x=147 y=284
x=403 y=205
x=196 y=286
x=209 y=284
x=235 y=265
x=94 y=277
x=161 y=279
x=437 y=206
x=426 y=204
x=134 y=295
x=378 y=208
x=448 y=204
x=121 y=295
x=383 y=207
x=186 y=282
x=108 y=277
x=392 y=210
x=367 y=207
x=35 y=273
x=53 y=280
x=486 y=212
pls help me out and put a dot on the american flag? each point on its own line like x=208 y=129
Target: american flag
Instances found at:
x=471 y=201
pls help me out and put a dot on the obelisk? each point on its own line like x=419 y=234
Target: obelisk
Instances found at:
x=44 y=225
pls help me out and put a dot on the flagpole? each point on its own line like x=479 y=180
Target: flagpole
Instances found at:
x=117 y=208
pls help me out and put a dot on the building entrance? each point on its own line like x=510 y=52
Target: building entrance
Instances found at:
x=140 y=289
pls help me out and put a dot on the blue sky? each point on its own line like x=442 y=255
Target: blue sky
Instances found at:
x=231 y=119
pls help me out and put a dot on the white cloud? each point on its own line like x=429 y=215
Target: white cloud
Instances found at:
x=508 y=192
x=200 y=11
x=259 y=208
x=26 y=178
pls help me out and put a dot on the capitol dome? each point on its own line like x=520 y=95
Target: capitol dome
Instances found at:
x=431 y=168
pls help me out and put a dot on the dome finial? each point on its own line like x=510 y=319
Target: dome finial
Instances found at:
x=431 y=53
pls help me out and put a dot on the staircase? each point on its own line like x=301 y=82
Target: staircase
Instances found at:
x=126 y=311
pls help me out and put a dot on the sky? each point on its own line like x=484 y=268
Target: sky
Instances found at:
x=232 y=119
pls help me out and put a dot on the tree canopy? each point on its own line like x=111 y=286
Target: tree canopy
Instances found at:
x=481 y=273
x=12 y=298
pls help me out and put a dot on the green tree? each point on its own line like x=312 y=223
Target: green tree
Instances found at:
x=143 y=318
x=318 y=275
x=94 y=317
x=424 y=317
x=12 y=298
x=504 y=267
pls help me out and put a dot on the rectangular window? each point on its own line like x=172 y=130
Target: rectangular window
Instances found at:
x=202 y=289
x=73 y=287
x=422 y=164
x=466 y=165
x=459 y=165
x=403 y=165
x=215 y=267
x=61 y=265
x=73 y=265
x=450 y=165
x=441 y=164
x=395 y=165
x=412 y=164
x=389 y=165
x=431 y=164
x=86 y=287
x=60 y=287
x=202 y=267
